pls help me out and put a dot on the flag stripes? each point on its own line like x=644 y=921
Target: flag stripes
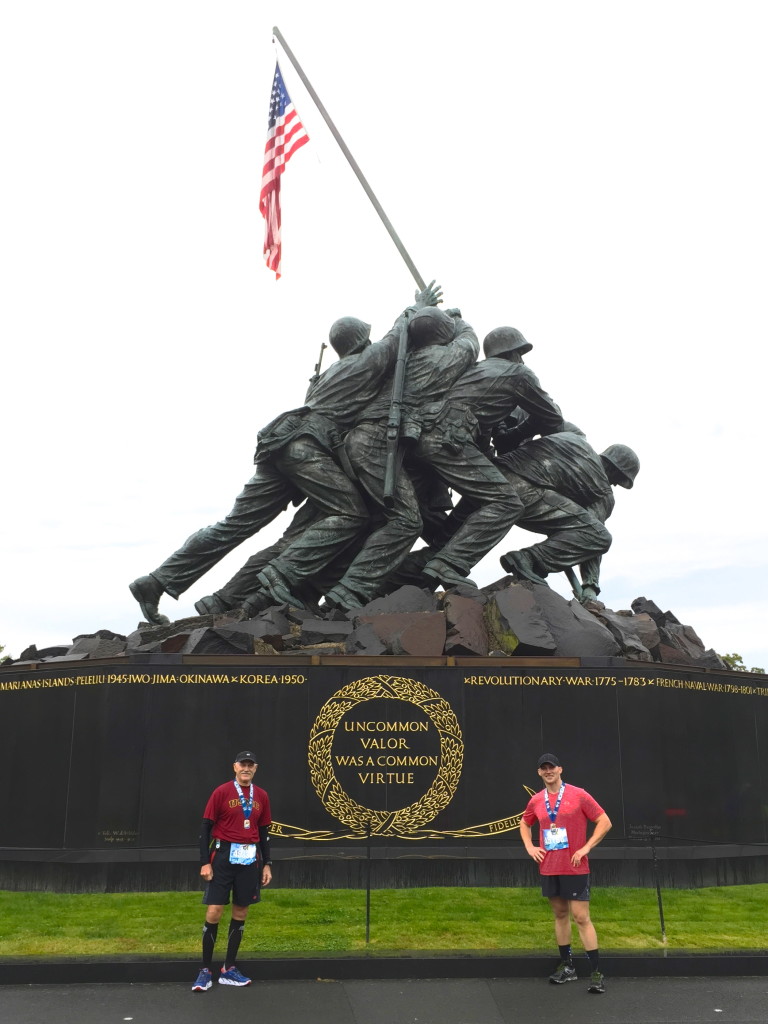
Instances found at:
x=285 y=134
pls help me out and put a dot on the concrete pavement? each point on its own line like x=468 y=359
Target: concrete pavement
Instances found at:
x=652 y=1000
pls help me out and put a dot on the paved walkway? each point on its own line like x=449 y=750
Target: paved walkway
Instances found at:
x=452 y=1001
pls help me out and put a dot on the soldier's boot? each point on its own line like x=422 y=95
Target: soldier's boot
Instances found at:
x=343 y=598
x=258 y=602
x=522 y=565
x=277 y=586
x=211 y=605
x=148 y=591
x=447 y=574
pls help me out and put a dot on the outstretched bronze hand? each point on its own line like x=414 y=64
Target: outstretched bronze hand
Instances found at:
x=430 y=296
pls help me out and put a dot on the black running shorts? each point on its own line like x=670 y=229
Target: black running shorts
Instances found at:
x=567 y=887
x=242 y=880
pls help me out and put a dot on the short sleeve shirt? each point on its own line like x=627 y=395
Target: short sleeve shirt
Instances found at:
x=226 y=812
x=576 y=809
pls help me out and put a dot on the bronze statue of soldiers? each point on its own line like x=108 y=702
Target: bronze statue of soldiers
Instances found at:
x=566 y=490
x=450 y=447
x=296 y=457
x=441 y=348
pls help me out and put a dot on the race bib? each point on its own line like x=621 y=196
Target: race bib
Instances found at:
x=555 y=838
x=242 y=853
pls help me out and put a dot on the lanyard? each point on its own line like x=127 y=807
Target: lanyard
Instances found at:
x=247 y=805
x=553 y=814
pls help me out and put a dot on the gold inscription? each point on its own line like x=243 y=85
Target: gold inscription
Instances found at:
x=386 y=727
x=390 y=743
x=505 y=824
x=374 y=743
x=118 y=836
x=153 y=679
x=387 y=761
x=634 y=682
x=371 y=757
x=709 y=686
x=265 y=680
x=540 y=680
x=387 y=778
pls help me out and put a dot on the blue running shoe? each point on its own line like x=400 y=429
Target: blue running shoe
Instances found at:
x=204 y=981
x=233 y=977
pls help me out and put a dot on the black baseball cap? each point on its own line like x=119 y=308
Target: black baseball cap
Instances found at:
x=548 y=759
x=246 y=755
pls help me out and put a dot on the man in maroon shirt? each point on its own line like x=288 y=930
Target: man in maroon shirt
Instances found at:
x=562 y=813
x=234 y=856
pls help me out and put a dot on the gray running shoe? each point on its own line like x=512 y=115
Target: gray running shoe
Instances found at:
x=596 y=982
x=563 y=972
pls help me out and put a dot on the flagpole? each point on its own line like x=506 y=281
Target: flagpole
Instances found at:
x=351 y=160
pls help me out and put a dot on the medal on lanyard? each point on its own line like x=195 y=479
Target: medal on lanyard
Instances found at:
x=550 y=813
x=247 y=805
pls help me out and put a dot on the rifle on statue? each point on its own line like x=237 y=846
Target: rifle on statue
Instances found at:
x=395 y=417
x=316 y=375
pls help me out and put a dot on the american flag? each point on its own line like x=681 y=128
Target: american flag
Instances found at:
x=285 y=134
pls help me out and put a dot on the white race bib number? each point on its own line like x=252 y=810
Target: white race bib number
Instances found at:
x=242 y=853
x=555 y=839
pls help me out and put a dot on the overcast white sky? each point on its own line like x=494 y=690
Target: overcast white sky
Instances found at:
x=592 y=173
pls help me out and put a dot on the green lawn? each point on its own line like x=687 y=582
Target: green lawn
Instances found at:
x=332 y=920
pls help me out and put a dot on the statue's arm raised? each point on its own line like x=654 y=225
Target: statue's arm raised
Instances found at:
x=431 y=296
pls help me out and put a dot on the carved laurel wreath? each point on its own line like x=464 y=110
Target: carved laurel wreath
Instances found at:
x=340 y=804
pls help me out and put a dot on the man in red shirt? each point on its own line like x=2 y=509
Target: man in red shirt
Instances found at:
x=235 y=856
x=562 y=813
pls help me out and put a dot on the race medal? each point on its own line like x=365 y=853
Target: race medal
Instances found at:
x=554 y=837
x=247 y=805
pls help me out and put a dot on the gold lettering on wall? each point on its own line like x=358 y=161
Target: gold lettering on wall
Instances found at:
x=385 y=759
x=155 y=679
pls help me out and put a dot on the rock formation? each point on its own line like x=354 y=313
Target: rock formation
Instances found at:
x=506 y=619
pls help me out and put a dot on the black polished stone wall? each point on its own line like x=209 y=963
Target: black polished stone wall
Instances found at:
x=112 y=764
